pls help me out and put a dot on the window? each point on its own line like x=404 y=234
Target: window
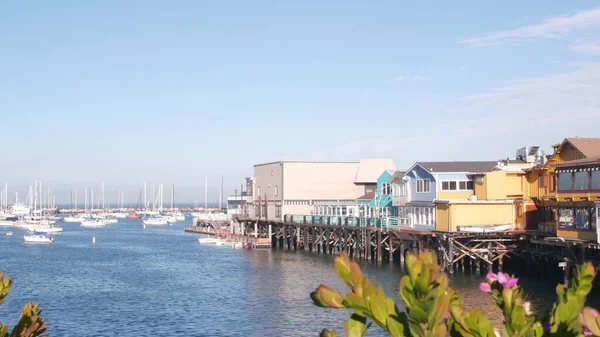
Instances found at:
x=565 y=181
x=423 y=186
x=542 y=181
x=385 y=189
x=399 y=189
x=465 y=185
x=593 y=219
x=595 y=180
x=581 y=181
x=276 y=190
x=258 y=191
x=582 y=218
x=565 y=218
x=461 y=185
x=277 y=211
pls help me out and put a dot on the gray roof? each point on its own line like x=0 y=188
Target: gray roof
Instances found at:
x=458 y=166
x=397 y=176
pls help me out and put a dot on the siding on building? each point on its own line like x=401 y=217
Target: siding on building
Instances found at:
x=413 y=176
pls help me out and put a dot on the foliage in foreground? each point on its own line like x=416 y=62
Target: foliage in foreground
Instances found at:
x=30 y=323
x=434 y=310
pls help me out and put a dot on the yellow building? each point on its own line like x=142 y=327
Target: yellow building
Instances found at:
x=565 y=188
x=497 y=203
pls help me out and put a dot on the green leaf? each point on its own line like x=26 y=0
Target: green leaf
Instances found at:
x=342 y=268
x=328 y=333
x=394 y=326
x=356 y=326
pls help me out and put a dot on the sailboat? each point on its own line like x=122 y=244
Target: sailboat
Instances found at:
x=173 y=214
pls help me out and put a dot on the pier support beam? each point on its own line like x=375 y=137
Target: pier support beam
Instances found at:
x=451 y=256
x=378 y=245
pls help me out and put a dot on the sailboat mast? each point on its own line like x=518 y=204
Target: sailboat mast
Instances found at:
x=221 y=195
x=172 y=196
x=102 y=196
x=145 y=198
x=75 y=199
x=86 y=200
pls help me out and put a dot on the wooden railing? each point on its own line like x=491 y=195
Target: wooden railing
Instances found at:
x=387 y=222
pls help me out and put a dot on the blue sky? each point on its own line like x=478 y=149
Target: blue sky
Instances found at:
x=127 y=91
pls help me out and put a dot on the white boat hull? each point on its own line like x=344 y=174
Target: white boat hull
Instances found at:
x=6 y=223
x=484 y=229
x=43 y=229
x=93 y=224
x=154 y=222
x=74 y=219
x=41 y=239
x=212 y=241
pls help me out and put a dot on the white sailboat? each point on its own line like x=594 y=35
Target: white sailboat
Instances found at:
x=155 y=221
x=93 y=223
x=37 y=238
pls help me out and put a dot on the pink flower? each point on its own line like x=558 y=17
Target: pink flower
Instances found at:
x=502 y=278
x=491 y=277
x=507 y=281
x=512 y=282
x=586 y=332
x=485 y=287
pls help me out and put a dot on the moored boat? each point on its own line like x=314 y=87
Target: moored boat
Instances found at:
x=212 y=241
x=156 y=221
x=93 y=223
x=38 y=238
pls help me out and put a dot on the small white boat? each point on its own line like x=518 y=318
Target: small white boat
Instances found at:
x=45 y=229
x=237 y=245
x=76 y=218
x=4 y=223
x=179 y=216
x=212 y=241
x=93 y=223
x=109 y=221
x=10 y=233
x=484 y=229
x=155 y=221
x=38 y=239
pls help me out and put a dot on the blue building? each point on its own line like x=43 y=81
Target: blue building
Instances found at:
x=414 y=192
x=378 y=203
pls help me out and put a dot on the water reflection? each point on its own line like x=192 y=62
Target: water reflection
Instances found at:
x=160 y=281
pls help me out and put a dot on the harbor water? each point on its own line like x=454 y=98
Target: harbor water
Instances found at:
x=159 y=281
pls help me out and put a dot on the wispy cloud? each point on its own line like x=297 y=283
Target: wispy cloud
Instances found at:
x=591 y=48
x=551 y=28
x=539 y=110
x=411 y=78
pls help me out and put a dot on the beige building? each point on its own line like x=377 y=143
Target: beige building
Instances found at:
x=297 y=187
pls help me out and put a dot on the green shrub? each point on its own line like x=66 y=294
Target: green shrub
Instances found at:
x=30 y=323
x=434 y=310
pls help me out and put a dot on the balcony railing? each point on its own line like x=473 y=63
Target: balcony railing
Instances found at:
x=383 y=222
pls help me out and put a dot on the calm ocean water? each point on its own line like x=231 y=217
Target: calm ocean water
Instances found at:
x=160 y=281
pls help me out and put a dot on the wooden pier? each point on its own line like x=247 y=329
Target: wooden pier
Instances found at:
x=378 y=240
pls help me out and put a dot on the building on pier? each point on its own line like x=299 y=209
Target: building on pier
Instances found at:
x=564 y=189
x=498 y=199
x=310 y=187
x=426 y=182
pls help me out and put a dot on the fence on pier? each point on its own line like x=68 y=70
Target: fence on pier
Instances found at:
x=348 y=221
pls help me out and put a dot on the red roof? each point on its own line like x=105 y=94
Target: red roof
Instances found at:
x=589 y=147
x=368 y=196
